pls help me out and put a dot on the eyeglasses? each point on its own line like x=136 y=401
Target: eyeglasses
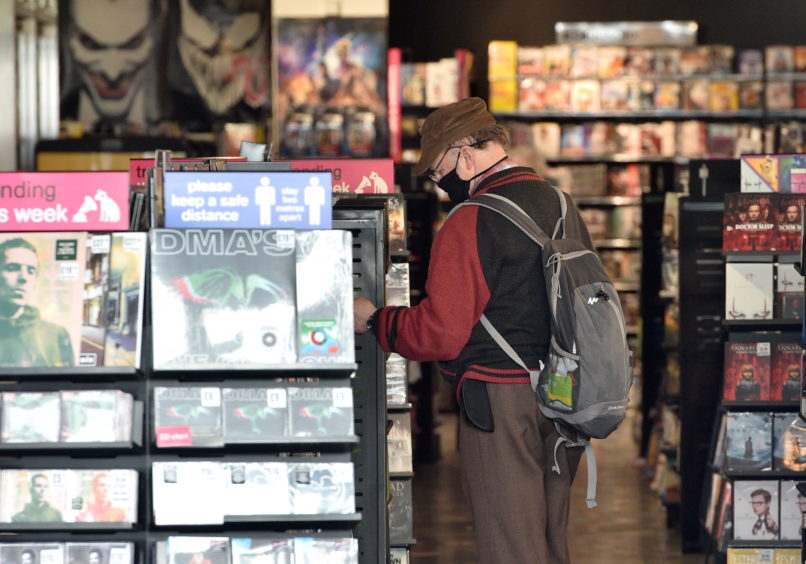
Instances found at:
x=432 y=174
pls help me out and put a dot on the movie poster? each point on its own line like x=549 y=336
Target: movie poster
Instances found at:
x=331 y=86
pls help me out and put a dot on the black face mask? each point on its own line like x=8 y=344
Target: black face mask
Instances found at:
x=459 y=190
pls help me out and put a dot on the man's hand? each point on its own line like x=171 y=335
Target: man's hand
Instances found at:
x=362 y=309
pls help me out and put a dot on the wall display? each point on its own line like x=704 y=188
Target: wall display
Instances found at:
x=205 y=282
x=748 y=291
x=331 y=80
x=755 y=510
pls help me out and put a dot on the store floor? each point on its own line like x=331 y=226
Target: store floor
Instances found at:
x=628 y=527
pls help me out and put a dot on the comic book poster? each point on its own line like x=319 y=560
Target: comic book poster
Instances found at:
x=41 y=298
x=749 y=223
x=334 y=71
x=747 y=371
x=786 y=372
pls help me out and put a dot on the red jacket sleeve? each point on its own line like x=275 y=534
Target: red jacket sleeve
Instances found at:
x=457 y=293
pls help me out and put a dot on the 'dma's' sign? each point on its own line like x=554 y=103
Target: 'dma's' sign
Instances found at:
x=64 y=201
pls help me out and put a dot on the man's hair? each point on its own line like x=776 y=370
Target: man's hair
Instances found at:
x=15 y=243
x=763 y=493
x=39 y=475
x=492 y=133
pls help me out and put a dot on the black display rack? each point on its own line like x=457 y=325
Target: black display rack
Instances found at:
x=366 y=450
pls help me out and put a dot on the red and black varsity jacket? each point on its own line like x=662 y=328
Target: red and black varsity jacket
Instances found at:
x=481 y=263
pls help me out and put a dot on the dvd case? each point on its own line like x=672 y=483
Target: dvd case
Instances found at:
x=401 y=516
x=747 y=371
x=790 y=442
x=789 y=292
x=32 y=553
x=748 y=291
x=175 y=493
x=324 y=304
x=187 y=416
x=257 y=488
x=99 y=553
x=96 y=416
x=788 y=221
x=398 y=555
x=398 y=443
x=198 y=550
x=30 y=417
x=786 y=372
x=748 y=441
x=254 y=415
x=321 y=488
x=41 y=314
x=320 y=411
x=262 y=550
x=34 y=496
x=103 y=496
x=793 y=510
x=755 y=510
x=223 y=298
x=396 y=380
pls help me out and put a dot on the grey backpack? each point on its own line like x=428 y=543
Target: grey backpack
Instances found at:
x=585 y=379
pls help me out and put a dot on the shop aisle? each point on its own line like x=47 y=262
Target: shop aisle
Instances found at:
x=628 y=527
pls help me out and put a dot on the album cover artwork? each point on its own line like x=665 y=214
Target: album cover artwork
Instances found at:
x=748 y=441
x=124 y=301
x=695 y=60
x=751 y=95
x=198 y=550
x=780 y=95
x=31 y=417
x=747 y=371
x=750 y=62
x=96 y=285
x=639 y=61
x=321 y=411
x=762 y=173
x=786 y=372
x=175 y=493
x=253 y=415
x=262 y=550
x=257 y=488
x=531 y=94
x=41 y=316
x=33 y=553
x=187 y=416
x=779 y=59
x=585 y=96
x=722 y=59
x=398 y=442
x=35 y=496
x=102 y=496
x=789 y=293
x=557 y=60
x=584 y=61
x=321 y=488
x=98 y=553
x=641 y=95
x=755 y=510
x=309 y=550
x=667 y=95
x=531 y=60
x=748 y=291
x=401 y=516
x=324 y=304
x=724 y=96
x=667 y=61
x=615 y=95
x=558 y=95
x=90 y=416
x=788 y=221
x=611 y=61
x=412 y=84
x=223 y=298
x=790 y=442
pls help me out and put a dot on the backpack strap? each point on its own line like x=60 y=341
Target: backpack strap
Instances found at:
x=513 y=212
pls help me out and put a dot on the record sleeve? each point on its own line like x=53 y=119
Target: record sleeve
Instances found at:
x=761 y=173
x=800 y=58
x=321 y=488
x=320 y=411
x=793 y=510
x=223 y=298
x=790 y=442
x=751 y=555
x=96 y=416
x=262 y=551
x=34 y=496
x=398 y=442
x=33 y=553
x=396 y=380
x=324 y=304
x=789 y=293
x=722 y=59
x=187 y=416
x=41 y=326
x=198 y=550
x=755 y=510
x=412 y=84
x=667 y=95
x=257 y=488
x=401 y=516
x=99 y=553
x=546 y=137
x=724 y=96
x=31 y=417
x=124 y=301
x=748 y=442
x=786 y=372
x=308 y=550
x=695 y=60
x=103 y=496
x=175 y=493
x=747 y=371
x=641 y=95
x=253 y=415
x=748 y=291
x=96 y=286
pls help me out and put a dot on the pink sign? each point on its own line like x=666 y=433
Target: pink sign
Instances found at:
x=64 y=201
x=358 y=176
x=174 y=436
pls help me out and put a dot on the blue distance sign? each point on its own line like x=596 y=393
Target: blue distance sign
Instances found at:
x=253 y=200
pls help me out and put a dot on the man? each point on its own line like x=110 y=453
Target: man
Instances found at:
x=26 y=339
x=765 y=526
x=39 y=510
x=789 y=228
x=482 y=264
x=101 y=510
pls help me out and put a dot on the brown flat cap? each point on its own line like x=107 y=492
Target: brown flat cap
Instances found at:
x=448 y=124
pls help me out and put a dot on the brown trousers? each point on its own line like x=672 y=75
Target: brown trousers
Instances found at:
x=520 y=507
